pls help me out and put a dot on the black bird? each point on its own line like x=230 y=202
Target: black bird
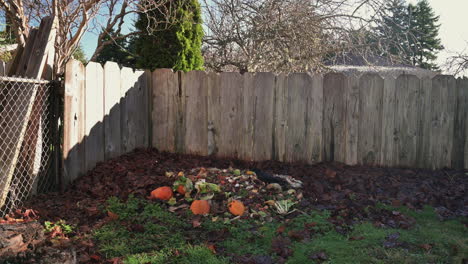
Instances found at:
x=268 y=178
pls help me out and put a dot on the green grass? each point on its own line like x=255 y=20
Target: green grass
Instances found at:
x=449 y=240
x=165 y=237
x=185 y=255
x=161 y=228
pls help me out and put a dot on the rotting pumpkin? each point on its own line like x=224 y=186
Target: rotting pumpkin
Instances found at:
x=162 y=193
x=200 y=207
x=236 y=207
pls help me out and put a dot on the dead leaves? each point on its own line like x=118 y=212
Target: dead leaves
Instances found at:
x=57 y=232
x=136 y=228
x=212 y=248
x=112 y=216
x=20 y=216
x=282 y=246
x=426 y=247
x=392 y=241
x=356 y=238
x=319 y=256
x=196 y=222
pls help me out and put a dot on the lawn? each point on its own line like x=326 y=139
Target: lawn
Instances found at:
x=146 y=232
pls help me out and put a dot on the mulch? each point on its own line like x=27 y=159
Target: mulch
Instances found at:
x=326 y=185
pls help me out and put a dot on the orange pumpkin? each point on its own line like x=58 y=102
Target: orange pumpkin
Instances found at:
x=181 y=189
x=162 y=193
x=236 y=207
x=200 y=207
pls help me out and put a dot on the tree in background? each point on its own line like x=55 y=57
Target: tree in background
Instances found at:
x=286 y=36
x=105 y=18
x=408 y=34
x=120 y=51
x=7 y=39
x=176 y=46
x=457 y=63
x=426 y=42
x=80 y=55
x=393 y=32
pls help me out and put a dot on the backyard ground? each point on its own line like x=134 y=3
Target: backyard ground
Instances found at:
x=342 y=214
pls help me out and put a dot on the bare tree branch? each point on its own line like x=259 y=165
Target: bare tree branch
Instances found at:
x=284 y=36
x=457 y=63
x=75 y=18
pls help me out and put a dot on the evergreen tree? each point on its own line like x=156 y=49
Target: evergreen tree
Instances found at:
x=424 y=27
x=176 y=45
x=394 y=28
x=121 y=52
x=80 y=55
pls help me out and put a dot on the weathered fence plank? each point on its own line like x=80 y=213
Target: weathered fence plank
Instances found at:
x=127 y=81
x=145 y=106
x=280 y=117
x=334 y=117
x=134 y=110
x=424 y=157
x=299 y=139
x=387 y=157
x=213 y=84
x=74 y=122
x=247 y=112
x=407 y=106
x=112 y=128
x=196 y=112
x=460 y=135
x=264 y=92
x=463 y=87
x=351 y=125
x=94 y=123
x=315 y=118
x=370 y=119
x=165 y=107
x=230 y=125
x=443 y=104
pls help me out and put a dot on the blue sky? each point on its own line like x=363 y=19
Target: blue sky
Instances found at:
x=89 y=41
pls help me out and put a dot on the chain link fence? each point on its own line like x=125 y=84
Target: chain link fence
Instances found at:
x=28 y=140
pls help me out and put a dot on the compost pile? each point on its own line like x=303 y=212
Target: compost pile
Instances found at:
x=225 y=192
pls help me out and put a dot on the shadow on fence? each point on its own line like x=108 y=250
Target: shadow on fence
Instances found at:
x=106 y=115
x=370 y=120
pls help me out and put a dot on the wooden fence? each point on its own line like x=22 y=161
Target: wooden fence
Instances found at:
x=403 y=122
x=106 y=114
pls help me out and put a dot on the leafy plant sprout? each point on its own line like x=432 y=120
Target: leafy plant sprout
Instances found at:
x=283 y=207
x=66 y=229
